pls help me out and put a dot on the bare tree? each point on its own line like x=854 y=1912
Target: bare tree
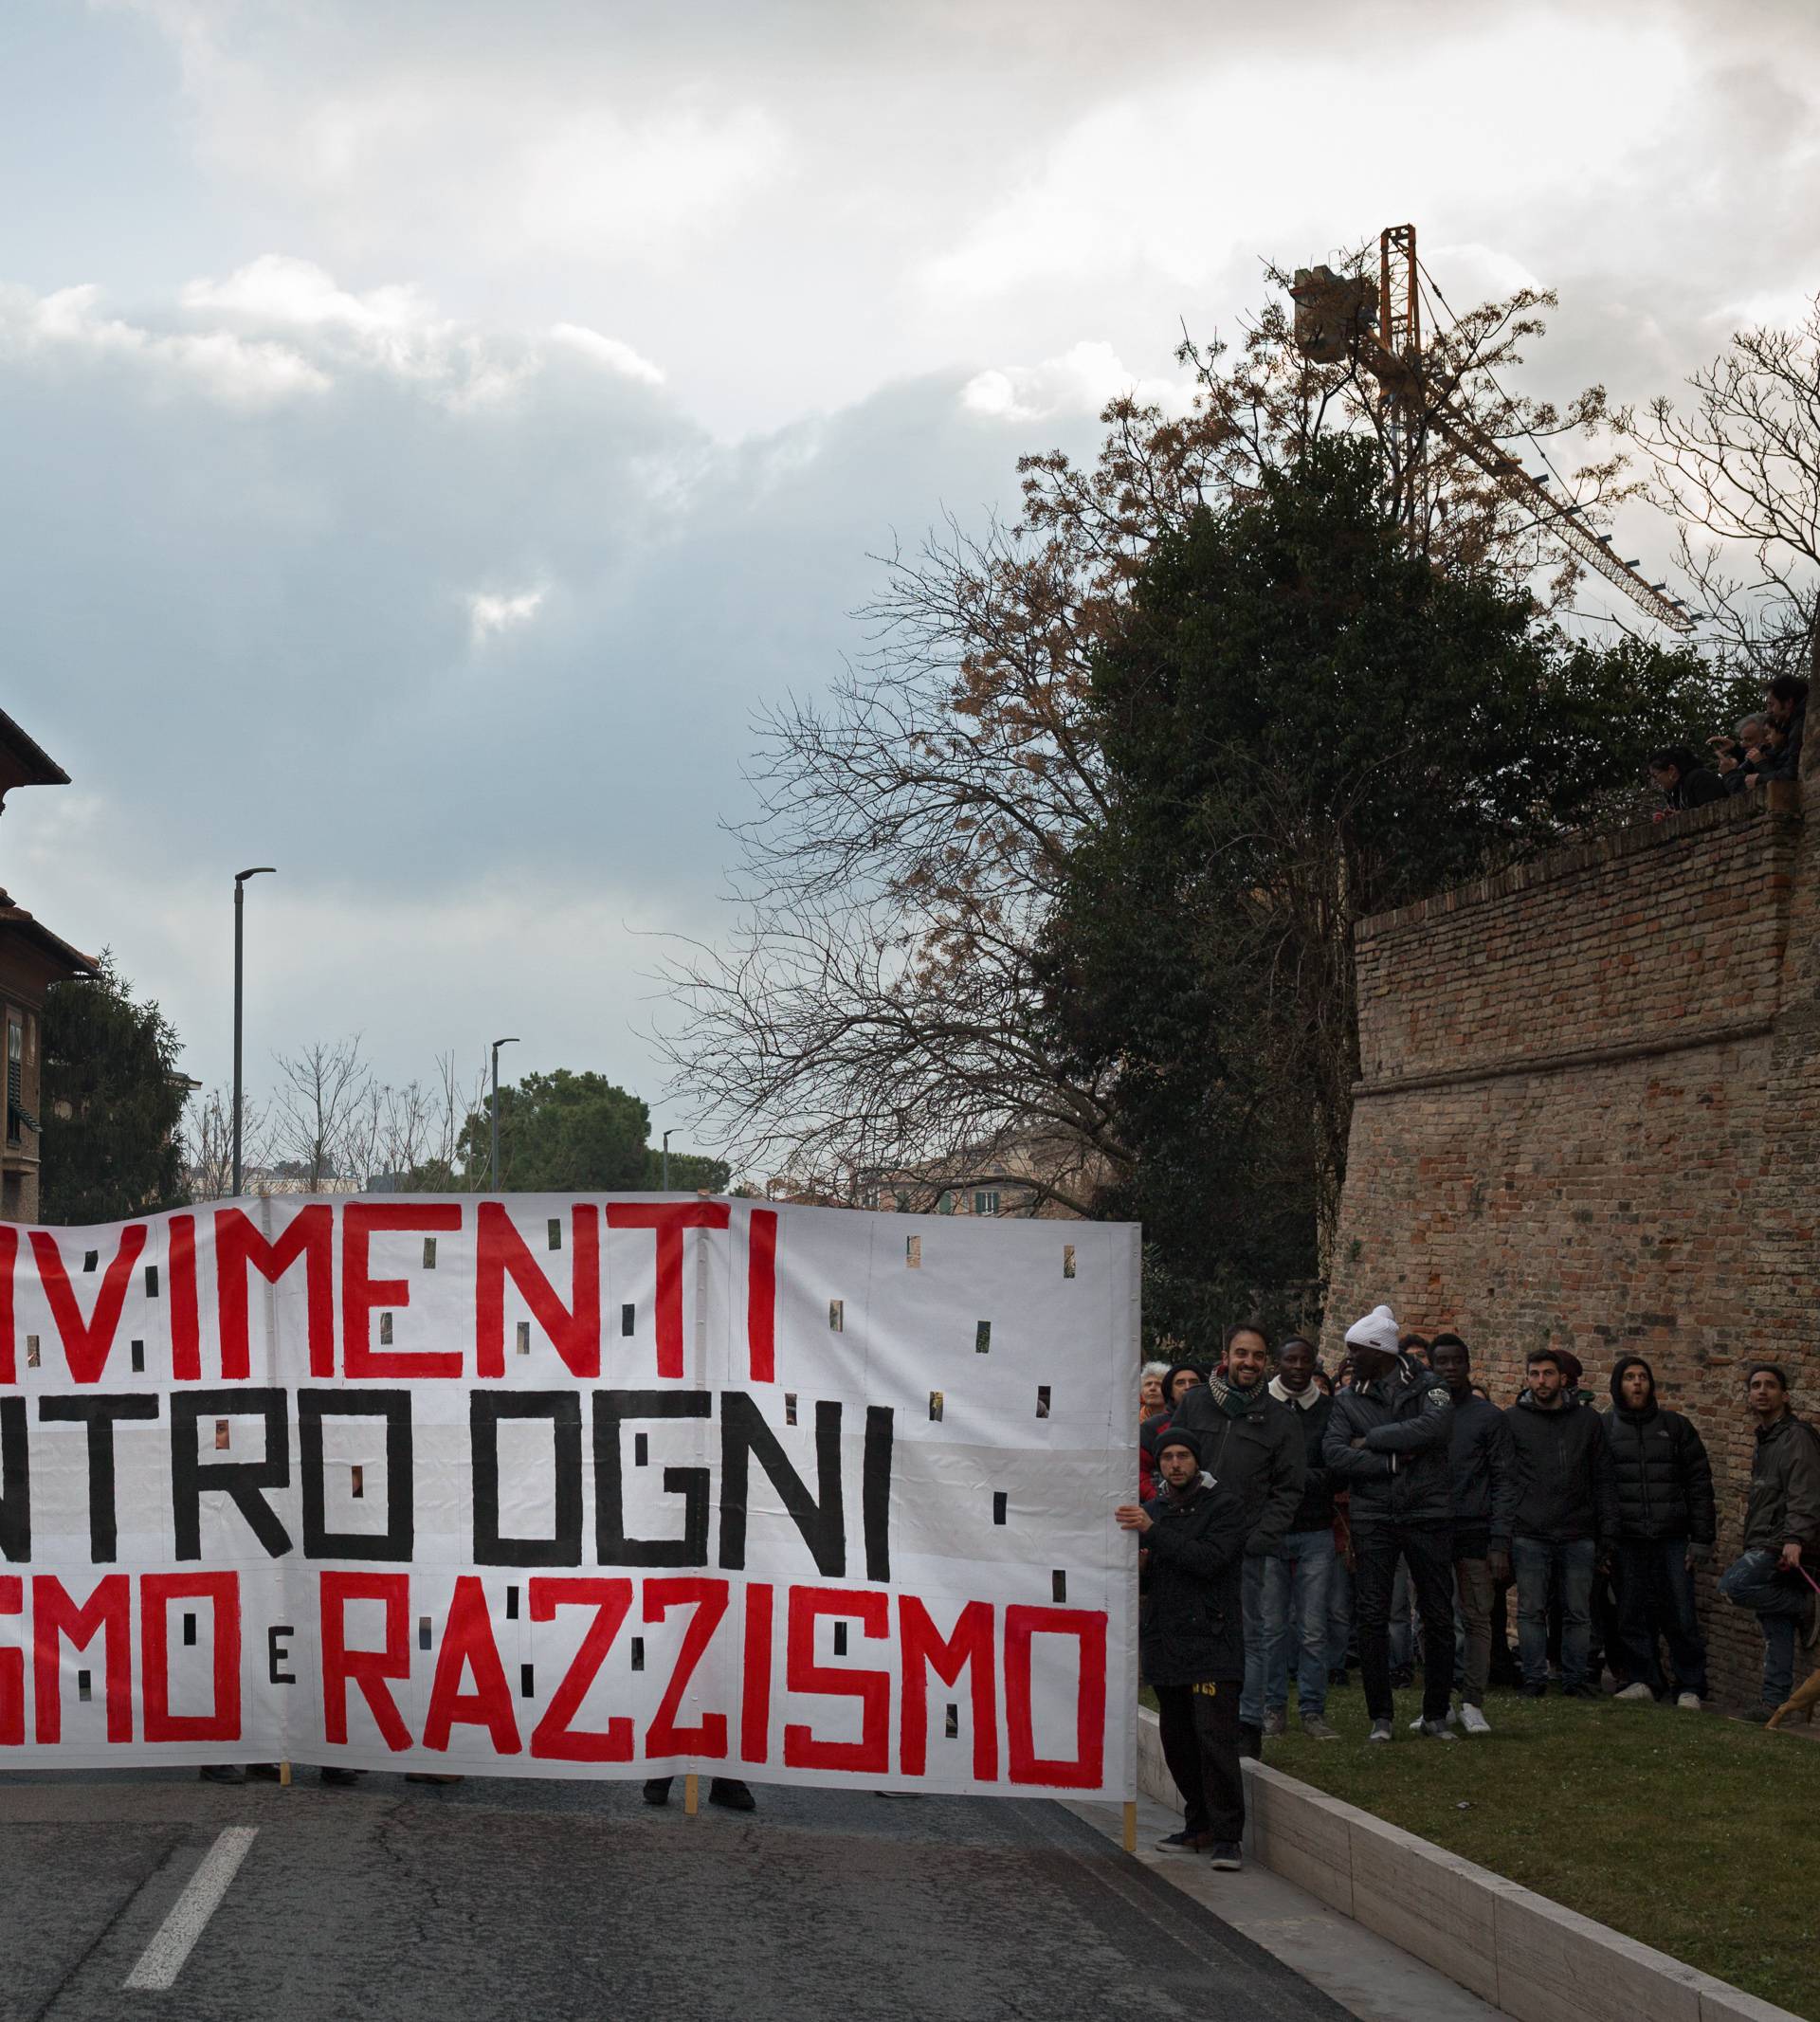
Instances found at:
x=208 y=1141
x=320 y=1115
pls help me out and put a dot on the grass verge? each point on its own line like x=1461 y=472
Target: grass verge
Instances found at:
x=1690 y=1831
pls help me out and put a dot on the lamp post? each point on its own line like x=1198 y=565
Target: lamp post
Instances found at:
x=666 y=1161
x=259 y=870
x=494 y=1176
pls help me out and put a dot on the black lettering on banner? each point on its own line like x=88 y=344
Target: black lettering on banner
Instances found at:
x=278 y=1654
x=875 y=1491
x=822 y=1522
x=562 y=1408
x=399 y=1536
x=15 y=1473
x=100 y=1415
x=614 y=1548
x=245 y=1482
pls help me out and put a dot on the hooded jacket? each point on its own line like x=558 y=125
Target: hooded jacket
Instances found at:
x=1149 y=1482
x=1565 y=1490
x=1250 y=1445
x=1400 y=1475
x=1659 y=1467
x=1784 y=1507
x=1481 y=1468
x=1193 y=1584
x=1311 y=1412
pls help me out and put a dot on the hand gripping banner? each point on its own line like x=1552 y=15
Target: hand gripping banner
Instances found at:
x=571 y=1486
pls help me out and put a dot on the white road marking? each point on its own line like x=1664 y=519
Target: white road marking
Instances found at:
x=163 y=1959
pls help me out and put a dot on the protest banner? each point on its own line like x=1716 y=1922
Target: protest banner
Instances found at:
x=571 y=1486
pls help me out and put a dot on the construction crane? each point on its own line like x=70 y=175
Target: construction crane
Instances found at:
x=1379 y=323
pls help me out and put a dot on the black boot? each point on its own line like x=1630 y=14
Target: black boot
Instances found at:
x=1251 y=1740
x=657 y=1789
x=728 y=1792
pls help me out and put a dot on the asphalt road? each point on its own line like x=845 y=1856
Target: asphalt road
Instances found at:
x=535 y=1900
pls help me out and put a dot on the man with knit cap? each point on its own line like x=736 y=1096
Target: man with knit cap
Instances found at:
x=1387 y=1442
x=1190 y=1571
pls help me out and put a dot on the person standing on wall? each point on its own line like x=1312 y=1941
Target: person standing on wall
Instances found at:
x=1483 y=1472
x=1566 y=1522
x=1388 y=1442
x=1665 y=1528
x=1251 y=1444
x=1191 y=1573
x=1782 y=1535
x=1297 y=1580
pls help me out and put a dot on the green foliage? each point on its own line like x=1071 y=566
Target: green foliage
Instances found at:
x=563 y=1133
x=111 y=1102
x=1303 y=723
x=691 y=1172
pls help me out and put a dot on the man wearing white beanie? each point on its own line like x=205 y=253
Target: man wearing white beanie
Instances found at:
x=1387 y=1441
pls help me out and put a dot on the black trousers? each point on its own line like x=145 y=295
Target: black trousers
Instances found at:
x=1200 y=1736
x=1429 y=1552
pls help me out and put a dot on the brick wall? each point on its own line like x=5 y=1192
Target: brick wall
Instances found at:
x=1588 y=1113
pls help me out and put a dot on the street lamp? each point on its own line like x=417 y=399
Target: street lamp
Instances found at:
x=259 y=870
x=494 y=1180
x=666 y=1161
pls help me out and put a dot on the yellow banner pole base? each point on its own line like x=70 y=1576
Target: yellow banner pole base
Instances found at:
x=691 y=1795
x=285 y=1775
x=1131 y=1825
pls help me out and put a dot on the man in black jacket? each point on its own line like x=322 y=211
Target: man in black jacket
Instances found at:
x=1387 y=1442
x=1782 y=1535
x=1191 y=1556
x=1297 y=1580
x=1665 y=1528
x=1566 y=1522
x=1482 y=1476
x=1250 y=1445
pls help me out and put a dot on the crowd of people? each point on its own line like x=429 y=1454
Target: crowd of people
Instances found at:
x=1763 y=746
x=1291 y=1524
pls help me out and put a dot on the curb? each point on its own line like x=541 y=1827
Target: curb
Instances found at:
x=1529 y=1957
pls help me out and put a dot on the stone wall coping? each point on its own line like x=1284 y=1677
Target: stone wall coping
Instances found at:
x=1532 y=1958
x=1778 y=803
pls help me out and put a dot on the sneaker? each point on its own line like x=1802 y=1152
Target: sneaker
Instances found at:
x=1582 y=1690
x=1435 y=1730
x=657 y=1789
x=343 y=1779
x=1227 y=1856
x=1688 y=1701
x=1637 y=1691
x=1473 y=1719
x=1381 y=1731
x=1251 y=1740
x=1530 y=1691
x=1448 y=1719
x=730 y=1794
x=1275 y=1725
x=1317 y=1729
x=1185 y=1842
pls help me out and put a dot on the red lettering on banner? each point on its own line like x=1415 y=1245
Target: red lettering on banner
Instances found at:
x=221 y=1592
x=87 y=1342
x=12 y=1668
x=555 y=1740
x=669 y=1220
x=503 y=1253
x=663 y=1736
x=761 y=1294
x=241 y=1245
x=871 y=1754
x=755 y=1697
x=367 y=1670
x=921 y=1643
x=186 y=1321
x=1022 y=1625
x=8 y=1348
x=467 y=1646
x=361 y=1296
x=108 y=1611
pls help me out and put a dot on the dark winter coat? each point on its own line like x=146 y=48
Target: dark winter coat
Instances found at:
x=1192 y=1628
x=1658 y=1466
x=1784 y=1507
x=1400 y=1475
x=1481 y=1468
x=1256 y=1454
x=1565 y=1490
x=1696 y=789
x=1315 y=1512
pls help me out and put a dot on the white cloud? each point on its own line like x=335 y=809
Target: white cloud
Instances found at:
x=612 y=352
x=275 y=289
x=1081 y=381
x=489 y=613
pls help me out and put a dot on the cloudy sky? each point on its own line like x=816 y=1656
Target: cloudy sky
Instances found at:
x=428 y=430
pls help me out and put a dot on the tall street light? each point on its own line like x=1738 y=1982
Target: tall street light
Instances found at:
x=666 y=1161
x=259 y=870
x=493 y=1178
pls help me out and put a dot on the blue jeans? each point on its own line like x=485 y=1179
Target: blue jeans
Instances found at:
x=1779 y=1606
x=1295 y=1620
x=1656 y=1599
x=1536 y=1562
x=1251 y=1694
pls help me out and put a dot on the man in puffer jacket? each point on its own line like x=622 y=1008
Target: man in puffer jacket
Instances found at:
x=1665 y=1528
x=1192 y=1539
x=1387 y=1442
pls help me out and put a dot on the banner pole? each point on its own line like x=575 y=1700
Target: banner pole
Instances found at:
x=691 y=1795
x=1131 y=1825
x=285 y=1775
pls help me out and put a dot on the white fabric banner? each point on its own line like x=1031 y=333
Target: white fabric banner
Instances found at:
x=573 y=1485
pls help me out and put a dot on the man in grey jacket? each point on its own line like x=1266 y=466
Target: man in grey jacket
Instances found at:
x=1782 y=1535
